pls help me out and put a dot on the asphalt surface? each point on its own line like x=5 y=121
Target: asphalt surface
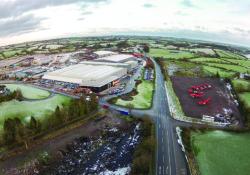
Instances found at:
x=170 y=160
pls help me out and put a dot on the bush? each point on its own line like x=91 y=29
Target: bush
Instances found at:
x=144 y=155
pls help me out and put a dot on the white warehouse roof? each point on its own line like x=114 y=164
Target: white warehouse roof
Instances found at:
x=102 y=53
x=87 y=75
x=117 y=58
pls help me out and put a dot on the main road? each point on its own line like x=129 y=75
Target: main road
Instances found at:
x=170 y=160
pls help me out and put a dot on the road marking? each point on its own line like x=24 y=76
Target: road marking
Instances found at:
x=159 y=126
x=163 y=159
x=159 y=169
x=162 y=139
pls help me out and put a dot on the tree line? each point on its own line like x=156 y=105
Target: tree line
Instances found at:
x=16 y=132
x=17 y=94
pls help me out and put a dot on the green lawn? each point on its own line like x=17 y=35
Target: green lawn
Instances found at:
x=245 y=97
x=28 y=91
x=144 y=97
x=222 y=153
x=171 y=54
x=24 y=109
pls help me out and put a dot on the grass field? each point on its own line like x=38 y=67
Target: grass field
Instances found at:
x=222 y=153
x=229 y=67
x=29 y=92
x=208 y=60
x=24 y=109
x=245 y=63
x=144 y=97
x=171 y=54
x=214 y=70
x=242 y=85
x=227 y=54
x=245 y=97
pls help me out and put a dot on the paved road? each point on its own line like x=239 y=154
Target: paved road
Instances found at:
x=170 y=158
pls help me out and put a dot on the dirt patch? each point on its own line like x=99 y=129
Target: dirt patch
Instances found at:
x=221 y=100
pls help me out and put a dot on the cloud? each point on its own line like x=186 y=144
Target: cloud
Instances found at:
x=11 y=8
x=187 y=3
x=147 y=5
x=20 y=25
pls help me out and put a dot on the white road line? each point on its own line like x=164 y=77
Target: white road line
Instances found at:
x=174 y=150
x=169 y=154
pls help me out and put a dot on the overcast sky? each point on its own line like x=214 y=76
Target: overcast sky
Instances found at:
x=217 y=20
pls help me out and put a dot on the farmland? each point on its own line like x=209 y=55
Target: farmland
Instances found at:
x=219 y=152
x=28 y=91
x=171 y=54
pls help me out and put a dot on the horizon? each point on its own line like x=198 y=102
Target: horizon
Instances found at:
x=25 y=20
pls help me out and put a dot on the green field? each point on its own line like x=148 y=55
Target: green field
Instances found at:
x=144 y=97
x=227 y=54
x=241 y=85
x=24 y=109
x=29 y=92
x=171 y=54
x=214 y=70
x=245 y=63
x=208 y=60
x=222 y=153
x=229 y=67
x=245 y=97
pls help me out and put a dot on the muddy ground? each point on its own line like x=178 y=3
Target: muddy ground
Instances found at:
x=219 y=93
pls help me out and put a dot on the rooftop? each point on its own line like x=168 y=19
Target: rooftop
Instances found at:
x=87 y=74
x=116 y=58
x=104 y=52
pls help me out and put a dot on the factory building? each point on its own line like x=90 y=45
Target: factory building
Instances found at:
x=98 y=75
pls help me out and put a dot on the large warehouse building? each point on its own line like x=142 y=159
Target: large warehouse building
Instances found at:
x=98 y=75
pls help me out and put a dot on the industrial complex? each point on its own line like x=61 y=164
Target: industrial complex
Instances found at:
x=97 y=75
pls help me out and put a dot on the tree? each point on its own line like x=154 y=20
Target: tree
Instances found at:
x=34 y=125
x=14 y=131
x=146 y=48
x=217 y=74
x=130 y=106
x=122 y=44
x=58 y=116
x=9 y=131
